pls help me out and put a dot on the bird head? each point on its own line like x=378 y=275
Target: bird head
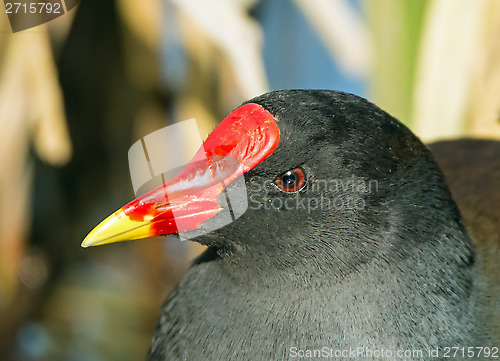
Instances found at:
x=326 y=176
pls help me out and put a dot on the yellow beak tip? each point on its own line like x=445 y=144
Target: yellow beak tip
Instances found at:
x=116 y=228
x=87 y=243
x=92 y=240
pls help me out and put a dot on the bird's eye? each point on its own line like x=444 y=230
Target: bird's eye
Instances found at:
x=292 y=181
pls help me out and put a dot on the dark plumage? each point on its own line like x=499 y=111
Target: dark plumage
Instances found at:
x=472 y=171
x=388 y=266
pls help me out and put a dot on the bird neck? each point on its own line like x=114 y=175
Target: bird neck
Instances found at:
x=410 y=291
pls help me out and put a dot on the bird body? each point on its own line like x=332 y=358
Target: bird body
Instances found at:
x=374 y=268
x=214 y=314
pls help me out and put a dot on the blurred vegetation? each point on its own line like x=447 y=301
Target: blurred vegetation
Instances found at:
x=76 y=92
x=396 y=32
x=436 y=65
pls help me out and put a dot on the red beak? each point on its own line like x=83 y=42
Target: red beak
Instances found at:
x=242 y=140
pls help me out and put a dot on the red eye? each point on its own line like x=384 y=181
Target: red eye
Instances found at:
x=292 y=181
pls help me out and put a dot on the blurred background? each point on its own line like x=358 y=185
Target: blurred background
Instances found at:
x=77 y=92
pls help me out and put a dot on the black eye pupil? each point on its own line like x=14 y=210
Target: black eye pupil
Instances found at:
x=288 y=178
